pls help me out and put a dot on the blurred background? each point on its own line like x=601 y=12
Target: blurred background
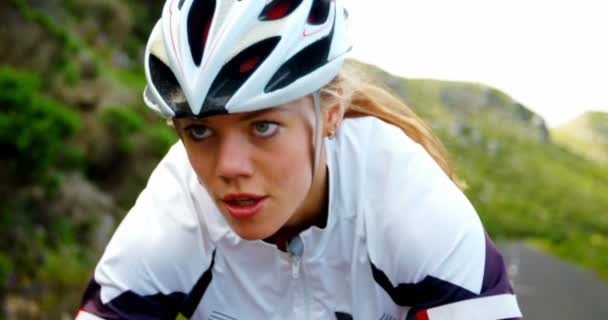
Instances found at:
x=78 y=144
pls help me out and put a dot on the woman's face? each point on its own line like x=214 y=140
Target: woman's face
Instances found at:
x=257 y=166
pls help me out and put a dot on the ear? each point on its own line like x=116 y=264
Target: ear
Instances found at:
x=333 y=117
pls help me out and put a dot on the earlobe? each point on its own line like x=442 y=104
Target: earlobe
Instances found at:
x=333 y=117
x=331 y=134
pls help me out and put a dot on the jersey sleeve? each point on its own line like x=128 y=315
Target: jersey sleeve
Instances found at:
x=148 y=269
x=428 y=249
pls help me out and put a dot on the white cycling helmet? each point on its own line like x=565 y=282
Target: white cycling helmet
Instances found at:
x=208 y=57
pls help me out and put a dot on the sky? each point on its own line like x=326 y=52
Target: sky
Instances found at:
x=551 y=56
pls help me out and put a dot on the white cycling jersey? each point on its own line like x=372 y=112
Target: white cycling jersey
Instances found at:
x=401 y=242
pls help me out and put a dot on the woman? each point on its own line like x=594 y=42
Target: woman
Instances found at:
x=295 y=192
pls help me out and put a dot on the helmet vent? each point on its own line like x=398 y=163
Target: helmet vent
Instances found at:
x=199 y=23
x=249 y=64
x=279 y=9
x=234 y=74
x=167 y=86
x=319 y=12
x=301 y=64
x=180 y=4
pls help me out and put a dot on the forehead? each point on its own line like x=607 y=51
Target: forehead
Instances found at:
x=292 y=110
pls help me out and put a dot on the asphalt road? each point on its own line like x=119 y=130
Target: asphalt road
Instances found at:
x=548 y=288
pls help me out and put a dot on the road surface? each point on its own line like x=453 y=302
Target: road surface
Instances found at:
x=548 y=288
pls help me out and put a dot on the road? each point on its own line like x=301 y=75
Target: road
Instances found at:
x=548 y=288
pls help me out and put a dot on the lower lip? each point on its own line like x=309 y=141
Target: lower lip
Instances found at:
x=243 y=212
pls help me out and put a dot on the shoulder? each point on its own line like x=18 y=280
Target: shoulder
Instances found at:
x=410 y=208
x=377 y=165
x=152 y=249
x=374 y=148
x=364 y=151
x=426 y=244
x=371 y=132
x=160 y=251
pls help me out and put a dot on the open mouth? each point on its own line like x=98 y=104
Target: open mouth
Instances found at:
x=243 y=205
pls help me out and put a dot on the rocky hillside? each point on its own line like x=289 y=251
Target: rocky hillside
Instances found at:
x=458 y=107
x=77 y=143
x=586 y=135
x=78 y=146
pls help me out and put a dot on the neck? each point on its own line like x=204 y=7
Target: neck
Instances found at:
x=315 y=202
x=312 y=212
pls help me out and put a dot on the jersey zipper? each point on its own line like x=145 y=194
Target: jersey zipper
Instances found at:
x=295 y=249
x=295 y=267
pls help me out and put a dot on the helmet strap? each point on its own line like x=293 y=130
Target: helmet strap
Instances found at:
x=317 y=138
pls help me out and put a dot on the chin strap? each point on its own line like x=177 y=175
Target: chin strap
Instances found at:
x=292 y=243
x=317 y=137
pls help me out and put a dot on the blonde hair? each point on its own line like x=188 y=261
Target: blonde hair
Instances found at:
x=363 y=98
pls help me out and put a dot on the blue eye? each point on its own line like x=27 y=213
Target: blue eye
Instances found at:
x=265 y=128
x=198 y=132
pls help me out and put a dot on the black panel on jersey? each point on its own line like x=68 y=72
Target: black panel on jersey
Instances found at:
x=428 y=293
x=301 y=64
x=199 y=23
x=167 y=86
x=196 y=295
x=432 y=292
x=234 y=74
x=343 y=316
x=279 y=9
x=130 y=305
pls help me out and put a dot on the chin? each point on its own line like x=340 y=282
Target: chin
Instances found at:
x=250 y=237
x=248 y=234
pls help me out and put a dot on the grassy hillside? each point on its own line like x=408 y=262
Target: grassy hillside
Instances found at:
x=586 y=135
x=523 y=185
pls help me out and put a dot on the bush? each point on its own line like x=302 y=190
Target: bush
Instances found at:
x=5 y=271
x=55 y=29
x=159 y=139
x=33 y=128
x=124 y=122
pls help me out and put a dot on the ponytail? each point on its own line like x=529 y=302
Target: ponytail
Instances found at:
x=366 y=99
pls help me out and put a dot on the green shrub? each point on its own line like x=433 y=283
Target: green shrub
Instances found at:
x=71 y=73
x=55 y=30
x=63 y=271
x=124 y=123
x=33 y=128
x=73 y=157
x=5 y=271
x=64 y=231
x=159 y=139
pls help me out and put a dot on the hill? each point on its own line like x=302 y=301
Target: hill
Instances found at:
x=586 y=135
x=523 y=185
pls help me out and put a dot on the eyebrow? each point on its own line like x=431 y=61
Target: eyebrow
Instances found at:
x=246 y=116
x=259 y=113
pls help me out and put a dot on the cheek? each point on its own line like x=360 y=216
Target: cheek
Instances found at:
x=292 y=164
x=291 y=172
x=201 y=165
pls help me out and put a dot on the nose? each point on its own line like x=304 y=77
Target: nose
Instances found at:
x=234 y=157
